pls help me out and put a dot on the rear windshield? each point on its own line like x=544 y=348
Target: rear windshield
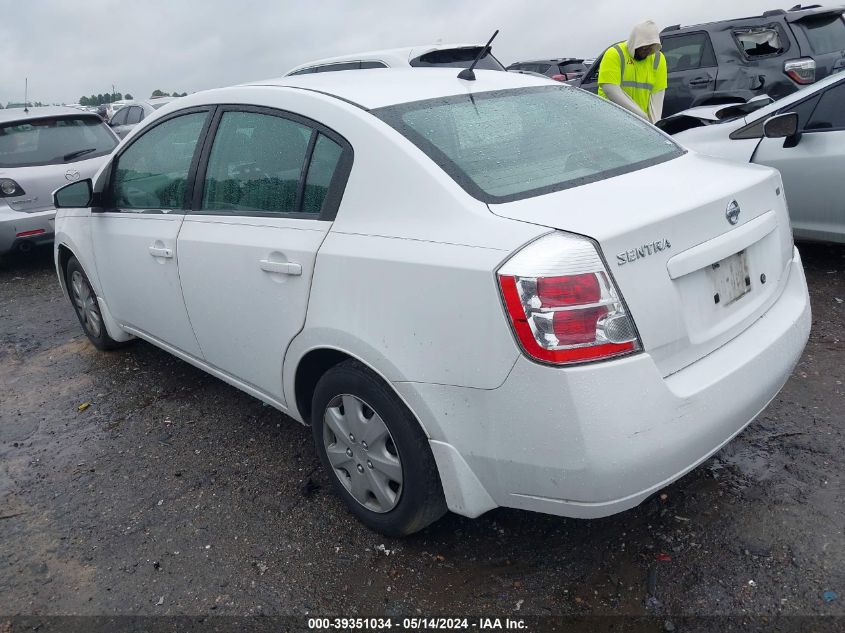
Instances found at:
x=458 y=58
x=511 y=144
x=825 y=32
x=53 y=140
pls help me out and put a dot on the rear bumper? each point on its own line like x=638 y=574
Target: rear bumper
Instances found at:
x=595 y=440
x=13 y=223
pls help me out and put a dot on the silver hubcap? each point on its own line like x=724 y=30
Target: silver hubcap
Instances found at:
x=362 y=453
x=86 y=304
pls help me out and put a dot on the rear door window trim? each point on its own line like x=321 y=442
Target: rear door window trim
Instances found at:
x=331 y=204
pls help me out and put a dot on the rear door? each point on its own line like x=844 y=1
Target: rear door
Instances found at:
x=822 y=37
x=812 y=170
x=692 y=70
x=268 y=190
x=134 y=238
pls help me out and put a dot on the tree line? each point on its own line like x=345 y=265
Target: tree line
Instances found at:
x=95 y=100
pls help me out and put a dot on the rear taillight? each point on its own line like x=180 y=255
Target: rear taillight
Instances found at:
x=560 y=77
x=562 y=303
x=9 y=187
x=802 y=71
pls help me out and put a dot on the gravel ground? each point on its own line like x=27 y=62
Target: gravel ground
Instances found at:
x=173 y=493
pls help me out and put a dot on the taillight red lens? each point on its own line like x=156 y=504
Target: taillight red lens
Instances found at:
x=555 y=292
x=577 y=327
x=559 y=77
x=562 y=304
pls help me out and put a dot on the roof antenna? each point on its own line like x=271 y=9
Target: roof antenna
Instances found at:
x=467 y=73
x=25 y=93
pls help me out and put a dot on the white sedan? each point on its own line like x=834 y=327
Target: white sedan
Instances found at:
x=471 y=290
x=803 y=136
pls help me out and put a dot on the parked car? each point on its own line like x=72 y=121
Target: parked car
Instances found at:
x=467 y=288
x=563 y=69
x=803 y=136
x=772 y=54
x=434 y=55
x=132 y=113
x=42 y=149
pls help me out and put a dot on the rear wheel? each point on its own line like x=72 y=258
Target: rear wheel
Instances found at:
x=87 y=309
x=376 y=454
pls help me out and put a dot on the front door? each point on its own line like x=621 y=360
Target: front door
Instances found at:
x=691 y=71
x=812 y=170
x=134 y=238
x=264 y=203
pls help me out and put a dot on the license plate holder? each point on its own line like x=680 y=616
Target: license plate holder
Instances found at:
x=731 y=279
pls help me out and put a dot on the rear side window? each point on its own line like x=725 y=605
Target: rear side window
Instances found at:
x=372 y=64
x=53 y=140
x=458 y=58
x=321 y=170
x=687 y=52
x=152 y=173
x=826 y=33
x=507 y=145
x=255 y=164
x=760 y=42
x=829 y=113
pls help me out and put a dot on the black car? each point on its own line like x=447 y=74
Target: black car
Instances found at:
x=734 y=60
x=564 y=69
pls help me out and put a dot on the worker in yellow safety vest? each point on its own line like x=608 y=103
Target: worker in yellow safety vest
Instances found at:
x=632 y=74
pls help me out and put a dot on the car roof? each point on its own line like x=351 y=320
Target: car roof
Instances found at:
x=378 y=88
x=390 y=56
x=18 y=114
x=792 y=15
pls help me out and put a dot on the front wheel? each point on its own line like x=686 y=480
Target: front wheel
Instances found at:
x=84 y=301
x=378 y=457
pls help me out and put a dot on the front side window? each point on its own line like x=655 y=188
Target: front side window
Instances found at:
x=53 y=140
x=134 y=115
x=687 y=52
x=826 y=33
x=512 y=144
x=331 y=68
x=120 y=117
x=829 y=114
x=153 y=172
x=255 y=165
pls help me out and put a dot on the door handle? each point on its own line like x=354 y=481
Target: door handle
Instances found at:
x=284 y=268
x=699 y=81
x=155 y=251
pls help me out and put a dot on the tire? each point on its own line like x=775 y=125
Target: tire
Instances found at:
x=84 y=302
x=390 y=484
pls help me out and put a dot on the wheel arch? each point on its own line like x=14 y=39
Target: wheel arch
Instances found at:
x=315 y=362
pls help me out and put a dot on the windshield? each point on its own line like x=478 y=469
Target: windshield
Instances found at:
x=511 y=144
x=53 y=140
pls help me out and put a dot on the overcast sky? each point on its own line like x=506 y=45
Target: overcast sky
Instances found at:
x=69 y=49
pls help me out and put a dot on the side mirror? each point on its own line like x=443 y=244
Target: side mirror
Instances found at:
x=781 y=126
x=75 y=195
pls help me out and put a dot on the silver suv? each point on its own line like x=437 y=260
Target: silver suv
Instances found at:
x=40 y=150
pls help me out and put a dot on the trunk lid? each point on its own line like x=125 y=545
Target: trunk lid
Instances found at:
x=40 y=181
x=662 y=230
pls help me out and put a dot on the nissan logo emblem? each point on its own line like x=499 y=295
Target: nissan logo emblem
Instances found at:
x=71 y=175
x=732 y=212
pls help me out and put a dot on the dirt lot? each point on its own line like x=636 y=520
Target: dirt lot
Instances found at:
x=173 y=493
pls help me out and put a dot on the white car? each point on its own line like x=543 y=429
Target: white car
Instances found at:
x=42 y=149
x=428 y=56
x=469 y=289
x=802 y=135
